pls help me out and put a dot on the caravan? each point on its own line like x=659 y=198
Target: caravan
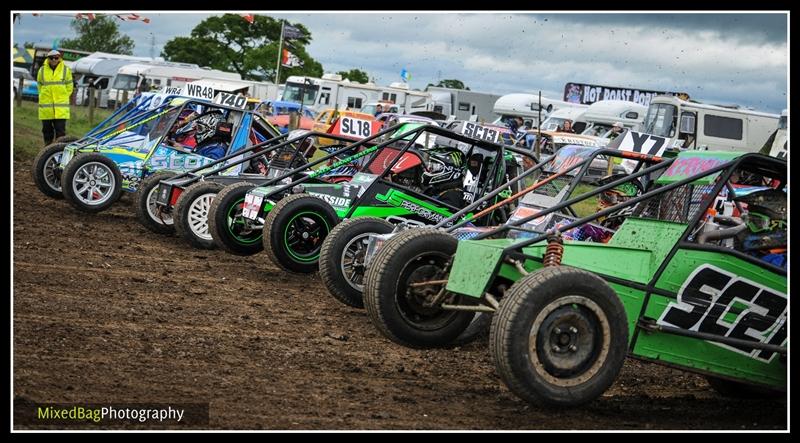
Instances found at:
x=332 y=91
x=464 y=104
x=693 y=125
x=157 y=75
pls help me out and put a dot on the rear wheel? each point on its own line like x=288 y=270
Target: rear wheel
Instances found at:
x=295 y=229
x=397 y=299
x=191 y=213
x=559 y=337
x=46 y=170
x=229 y=229
x=91 y=182
x=149 y=214
x=341 y=262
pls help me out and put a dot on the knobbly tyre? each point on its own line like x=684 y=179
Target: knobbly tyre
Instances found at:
x=342 y=255
x=47 y=168
x=188 y=197
x=405 y=181
x=689 y=280
x=95 y=174
x=557 y=178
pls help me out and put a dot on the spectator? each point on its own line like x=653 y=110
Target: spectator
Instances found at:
x=55 y=89
x=567 y=127
x=378 y=110
x=616 y=130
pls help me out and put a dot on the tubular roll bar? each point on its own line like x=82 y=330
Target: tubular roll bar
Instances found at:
x=631 y=202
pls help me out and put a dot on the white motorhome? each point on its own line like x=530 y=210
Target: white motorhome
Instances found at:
x=157 y=75
x=600 y=116
x=97 y=73
x=693 y=125
x=332 y=91
x=527 y=107
x=780 y=144
x=556 y=119
x=464 y=104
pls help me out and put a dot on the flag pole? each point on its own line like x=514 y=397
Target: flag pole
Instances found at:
x=280 y=56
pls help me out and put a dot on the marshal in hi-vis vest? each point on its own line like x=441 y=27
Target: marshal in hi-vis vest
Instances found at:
x=55 y=88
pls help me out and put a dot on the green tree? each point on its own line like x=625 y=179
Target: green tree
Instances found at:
x=355 y=75
x=230 y=43
x=450 y=83
x=100 y=34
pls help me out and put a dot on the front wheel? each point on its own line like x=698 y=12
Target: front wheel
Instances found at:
x=91 y=182
x=46 y=170
x=191 y=213
x=407 y=273
x=341 y=260
x=229 y=229
x=559 y=337
x=294 y=231
x=149 y=214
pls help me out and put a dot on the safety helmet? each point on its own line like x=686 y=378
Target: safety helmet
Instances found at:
x=206 y=126
x=766 y=210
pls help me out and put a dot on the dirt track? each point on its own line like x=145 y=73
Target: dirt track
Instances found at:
x=106 y=311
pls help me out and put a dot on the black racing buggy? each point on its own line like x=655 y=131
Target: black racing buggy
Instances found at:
x=237 y=234
x=347 y=252
x=422 y=175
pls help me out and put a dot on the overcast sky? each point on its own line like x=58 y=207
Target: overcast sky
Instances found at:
x=717 y=58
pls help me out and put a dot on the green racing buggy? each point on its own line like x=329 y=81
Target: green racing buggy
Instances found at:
x=681 y=282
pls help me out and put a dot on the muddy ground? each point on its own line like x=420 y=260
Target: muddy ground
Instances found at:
x=106 y=311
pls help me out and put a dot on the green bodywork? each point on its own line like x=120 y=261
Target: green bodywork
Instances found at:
x=632 y=259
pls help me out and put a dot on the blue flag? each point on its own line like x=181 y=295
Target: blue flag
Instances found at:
x=405 y=75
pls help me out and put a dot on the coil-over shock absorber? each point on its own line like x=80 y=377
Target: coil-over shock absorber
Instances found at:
x=554 y=251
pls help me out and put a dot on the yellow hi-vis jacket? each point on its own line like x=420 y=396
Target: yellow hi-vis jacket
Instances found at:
x=55 y=88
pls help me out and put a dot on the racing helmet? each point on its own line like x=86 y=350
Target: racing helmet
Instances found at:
x=766 y=219
x=207 y=126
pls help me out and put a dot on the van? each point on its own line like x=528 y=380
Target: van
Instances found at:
x=694 y=125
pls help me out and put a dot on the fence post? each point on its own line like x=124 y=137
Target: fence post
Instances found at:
x=19 y=91
x=294 y=120
x=91 y=105
x=124 y=97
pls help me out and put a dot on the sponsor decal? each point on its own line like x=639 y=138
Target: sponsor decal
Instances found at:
x=718 y=302
x=332 y=199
